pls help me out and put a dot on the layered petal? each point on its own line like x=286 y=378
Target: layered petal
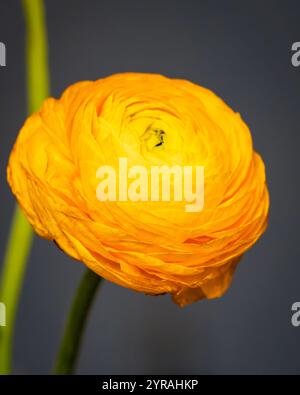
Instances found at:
x=150 y=246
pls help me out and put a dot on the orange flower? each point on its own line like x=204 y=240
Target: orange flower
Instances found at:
x=149 y=246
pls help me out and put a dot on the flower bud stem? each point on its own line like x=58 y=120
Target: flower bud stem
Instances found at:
x=20 y=235
x=76 y=321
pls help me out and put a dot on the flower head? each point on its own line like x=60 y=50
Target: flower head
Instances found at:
x=153 y=246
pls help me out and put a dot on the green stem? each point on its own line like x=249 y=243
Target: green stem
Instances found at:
x=76 y=321
x=36 y=53
x=20 y=235
x=17 y=251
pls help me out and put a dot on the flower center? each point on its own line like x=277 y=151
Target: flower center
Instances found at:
x=154 y=138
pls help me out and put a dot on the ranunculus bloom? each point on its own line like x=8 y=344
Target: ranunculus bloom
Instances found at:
x=152 y=247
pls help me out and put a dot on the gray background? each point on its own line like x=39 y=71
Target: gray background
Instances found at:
x=240 y=50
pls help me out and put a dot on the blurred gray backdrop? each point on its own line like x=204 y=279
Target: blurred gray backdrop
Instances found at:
x=240 y=50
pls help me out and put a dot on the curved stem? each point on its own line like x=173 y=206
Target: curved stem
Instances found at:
x=17 y=251
x=76 y=321
x=20 y=235
x=36 y=53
